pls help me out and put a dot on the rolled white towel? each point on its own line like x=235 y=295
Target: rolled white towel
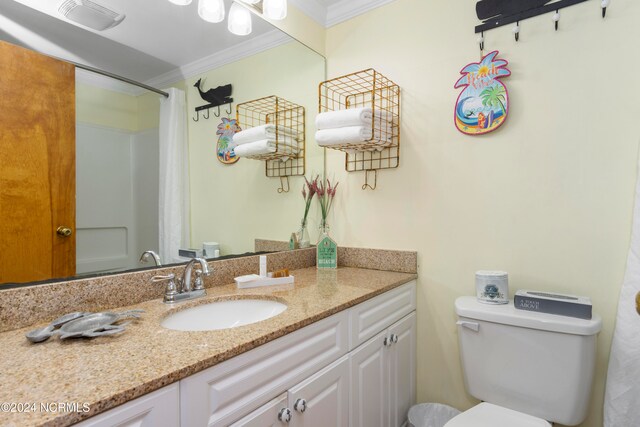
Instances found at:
x=263 y=132
x=351 y=117
x=350 y=135
x=265 y=146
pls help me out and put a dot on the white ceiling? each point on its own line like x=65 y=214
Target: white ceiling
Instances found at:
x=156 y=36
x=158 y=42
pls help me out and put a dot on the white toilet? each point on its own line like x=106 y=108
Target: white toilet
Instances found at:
x=529 y=369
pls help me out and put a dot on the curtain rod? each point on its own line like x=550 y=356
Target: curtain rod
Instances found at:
x=117 y=77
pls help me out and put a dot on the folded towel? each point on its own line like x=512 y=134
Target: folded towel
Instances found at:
x=265 y=146
x=351 y=135
x=351 y=117
x=263 y=132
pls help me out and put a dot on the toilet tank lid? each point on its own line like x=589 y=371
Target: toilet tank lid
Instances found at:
x=507 y=314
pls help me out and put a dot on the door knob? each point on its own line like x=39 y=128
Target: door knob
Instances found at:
x=64 y=231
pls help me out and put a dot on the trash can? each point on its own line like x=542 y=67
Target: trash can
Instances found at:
x=431 y=415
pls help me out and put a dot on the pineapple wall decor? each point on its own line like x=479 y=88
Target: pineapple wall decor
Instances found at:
x=483 y=104
x=227 y=128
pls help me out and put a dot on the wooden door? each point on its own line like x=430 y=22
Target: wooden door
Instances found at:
x=323 y=399
x=37 y=166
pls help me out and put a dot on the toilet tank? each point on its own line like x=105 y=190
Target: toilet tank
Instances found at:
x=536 y=363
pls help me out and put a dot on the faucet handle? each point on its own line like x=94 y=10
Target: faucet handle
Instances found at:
x=199 y=284
x=170 y=291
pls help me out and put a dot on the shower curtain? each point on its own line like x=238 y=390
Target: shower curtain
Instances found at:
x=622 y=395
x=174 y=176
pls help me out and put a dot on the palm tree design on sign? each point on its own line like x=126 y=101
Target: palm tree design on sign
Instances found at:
x=494 y=96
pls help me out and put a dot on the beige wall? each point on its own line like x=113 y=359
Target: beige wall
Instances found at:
x=112 y=109
x=107 y=108
x=302 y=28
x=548 y=197
x=234 y=204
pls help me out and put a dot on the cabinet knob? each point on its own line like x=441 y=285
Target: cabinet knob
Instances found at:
x=300 y=405
x=284 y=415
x=64 y=231
x=387 y=341
x=394 y=338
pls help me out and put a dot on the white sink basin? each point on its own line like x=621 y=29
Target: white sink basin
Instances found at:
x=223 y=315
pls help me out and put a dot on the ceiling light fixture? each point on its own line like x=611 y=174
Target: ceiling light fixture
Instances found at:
x=239 y=16
x=275 y=9
x=239 y=20
x=211 y=10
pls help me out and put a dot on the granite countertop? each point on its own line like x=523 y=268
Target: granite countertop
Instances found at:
x=108 y=371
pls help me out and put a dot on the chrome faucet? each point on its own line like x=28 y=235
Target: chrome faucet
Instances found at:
x=150 y=254
x=185 y=281
x=184 y=289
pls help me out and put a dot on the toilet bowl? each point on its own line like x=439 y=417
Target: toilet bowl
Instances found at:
x=528 y=368
x=488 y=415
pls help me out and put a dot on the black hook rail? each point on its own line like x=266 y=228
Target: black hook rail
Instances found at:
x=206 y=108
x=501 y=21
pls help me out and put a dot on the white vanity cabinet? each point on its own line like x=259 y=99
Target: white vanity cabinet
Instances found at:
x=160 y=408
x=383 y=358
x=355 y=368
x=320 y=401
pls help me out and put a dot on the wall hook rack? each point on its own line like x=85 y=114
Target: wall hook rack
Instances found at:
x=284 y=189
x=604 y=4
x=498 y=14
x=366 y=179
x=216 y=97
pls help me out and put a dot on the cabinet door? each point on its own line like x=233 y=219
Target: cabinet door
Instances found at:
x=402 y=369
x=377 y=314
x=158 y=409
x=369 y=404
x=266 y=415
x=223 y=393
x=323 y=399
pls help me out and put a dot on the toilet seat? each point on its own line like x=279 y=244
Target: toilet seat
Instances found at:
x=489 y=415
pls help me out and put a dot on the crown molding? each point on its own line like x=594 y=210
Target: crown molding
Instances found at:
x=107 y=83
x=347 y=9
x=313 y=9
x=226 y=56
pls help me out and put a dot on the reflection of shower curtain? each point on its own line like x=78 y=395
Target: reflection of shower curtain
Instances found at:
x=622 y=396
x=174 y=176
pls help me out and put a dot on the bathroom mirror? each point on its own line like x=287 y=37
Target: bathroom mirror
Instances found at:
x=117 y=127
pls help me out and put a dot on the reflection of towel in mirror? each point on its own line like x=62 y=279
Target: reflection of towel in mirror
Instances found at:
x=351 y=117
x=265 y=146
x=352 y=135
x=263 y=132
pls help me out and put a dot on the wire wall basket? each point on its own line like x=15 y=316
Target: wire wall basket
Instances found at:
x=288 y=156
x=367 y=88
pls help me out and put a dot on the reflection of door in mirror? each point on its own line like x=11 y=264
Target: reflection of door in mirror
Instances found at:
x=37 y=166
